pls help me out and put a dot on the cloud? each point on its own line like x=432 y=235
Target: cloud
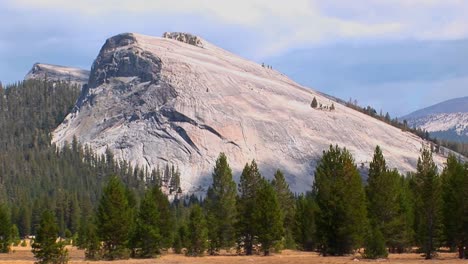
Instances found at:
x=284 y=25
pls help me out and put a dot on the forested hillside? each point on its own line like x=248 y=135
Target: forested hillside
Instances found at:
x=35 y=175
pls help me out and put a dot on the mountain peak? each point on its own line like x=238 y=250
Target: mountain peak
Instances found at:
x=154 y=101
x=185 y=38
x=57 y=73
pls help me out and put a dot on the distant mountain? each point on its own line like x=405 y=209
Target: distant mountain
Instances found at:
x=447 y=120
x=182 y=100
x=58 y=73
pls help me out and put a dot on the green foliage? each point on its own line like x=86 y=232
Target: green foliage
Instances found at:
x=341 y=217
x=181 y=239
x=5 y=230
x=248 y=186
x=88 y=239
x=220 y=204
x=45 y=248
x=14 y=234
x=375 y=245
x=287 y=206
x=114 y=220
x=304 y=228
x=147 y=229
x=386 y=203
x=455 y=208
x=197 y=232
x=428 y=203
x=314 y=103
x=267 y=217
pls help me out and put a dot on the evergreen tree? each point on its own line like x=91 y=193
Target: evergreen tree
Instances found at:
x=375 y=244
x=220 y=204
x=341 y=217
x=248 y=186
x=88 y=239
x=304 y=229
x=114 y=220
x=45 y=248
x=287 y=205
x=5 y=230
x=165 y=220
x=428 y=202
x=455 y=198
x=314 y=103
x=15 y=237
x=384 y=193
x=267 y=217
x=198 y=232
x=147 y=231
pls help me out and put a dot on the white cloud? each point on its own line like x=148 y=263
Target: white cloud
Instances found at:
x=288 y=24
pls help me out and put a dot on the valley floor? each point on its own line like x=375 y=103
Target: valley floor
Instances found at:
x=23 y=255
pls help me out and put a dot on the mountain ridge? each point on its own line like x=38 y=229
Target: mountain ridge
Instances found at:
x=153 y=100
x=445 y=120
x=54 y=72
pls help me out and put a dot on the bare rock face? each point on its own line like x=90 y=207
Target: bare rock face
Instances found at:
x=154 y=101
x=58 y=73
x=185 y=38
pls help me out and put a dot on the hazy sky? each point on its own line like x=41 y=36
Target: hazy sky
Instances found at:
x=396 y=55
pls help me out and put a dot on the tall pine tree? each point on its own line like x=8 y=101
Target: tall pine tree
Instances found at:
x=287 y=204
x=455 y=209
x=304 y=228
x=45 y=248
x=198 y=232
x=114 y=220
x=428 y=203
x=385 y=194
x=341 y=216
x=148 y=237
x=248 y=186
x=220 y=204
x=267 y=217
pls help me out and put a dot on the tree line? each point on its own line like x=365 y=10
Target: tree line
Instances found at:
x=339 y=216
x=114 y=210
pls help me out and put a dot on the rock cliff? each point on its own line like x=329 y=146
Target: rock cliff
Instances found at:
x=156 y=100
x=58 y=73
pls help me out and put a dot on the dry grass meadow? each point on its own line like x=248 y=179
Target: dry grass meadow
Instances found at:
x=23 y=255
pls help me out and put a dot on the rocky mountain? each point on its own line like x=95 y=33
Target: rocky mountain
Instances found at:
x=446 y=120
x=182 y=100
x=58 y=73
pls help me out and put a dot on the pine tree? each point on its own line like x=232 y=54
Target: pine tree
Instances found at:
x=248 y=186
x=287 y=205
x=45 y=248
x=267 y=217
x=428 y=193
x=114 y=220
x=5 y=230
x=341 y=217
x=384 y=193
x=198 y=232
x=88 y=239
x=314 y=103
x=166 y=218
x=375 y=244
x=304 y=228
x=147 y=232
x=455 y=198
x=220 y=204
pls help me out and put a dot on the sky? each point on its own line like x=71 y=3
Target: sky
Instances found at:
x=395 y=55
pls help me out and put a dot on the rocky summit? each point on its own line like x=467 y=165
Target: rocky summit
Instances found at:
x=58 y=73
x=181 y=100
